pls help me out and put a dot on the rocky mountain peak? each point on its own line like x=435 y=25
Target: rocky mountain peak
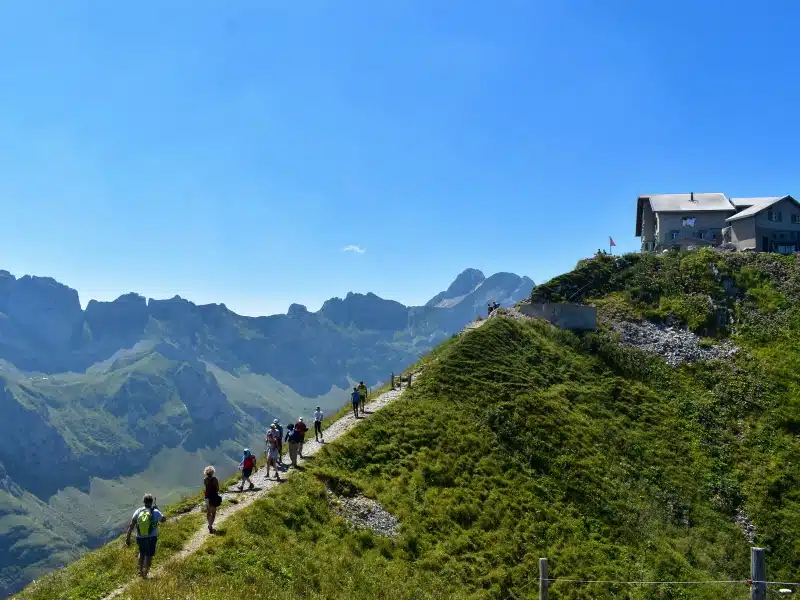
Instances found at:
x=466 y=282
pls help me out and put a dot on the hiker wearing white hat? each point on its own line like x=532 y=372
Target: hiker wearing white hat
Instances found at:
x=272 y=450
x=279 y=427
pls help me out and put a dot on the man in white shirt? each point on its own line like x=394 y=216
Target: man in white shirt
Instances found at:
x=318 y=426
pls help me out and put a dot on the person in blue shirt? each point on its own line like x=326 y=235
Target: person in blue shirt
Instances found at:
x=145 y=520
x=356 y=401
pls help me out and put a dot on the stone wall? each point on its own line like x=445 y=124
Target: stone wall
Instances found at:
x=576 y=317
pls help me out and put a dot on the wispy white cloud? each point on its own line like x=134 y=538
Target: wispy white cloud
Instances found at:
x=354 y=248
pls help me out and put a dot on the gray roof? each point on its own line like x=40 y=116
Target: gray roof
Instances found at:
x=690 y=202
x=756 y=206
x=747 y=202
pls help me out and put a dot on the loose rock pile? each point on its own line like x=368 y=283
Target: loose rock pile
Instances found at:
x=674 y=345
x=365 y=513
x=746 y=525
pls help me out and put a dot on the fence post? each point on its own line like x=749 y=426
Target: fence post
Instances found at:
x=544 y=584
x=758 y=574
x=409 y=380
x=392 y=380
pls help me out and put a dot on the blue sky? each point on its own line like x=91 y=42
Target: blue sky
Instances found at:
x=228 y=152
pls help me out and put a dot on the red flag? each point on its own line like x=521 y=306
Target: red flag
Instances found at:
x=611 y=241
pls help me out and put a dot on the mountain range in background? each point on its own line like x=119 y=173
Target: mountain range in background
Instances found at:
x=102 y=403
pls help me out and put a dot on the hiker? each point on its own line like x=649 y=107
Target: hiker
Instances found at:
x=318 y=426
x=213 y=499
x=279 y=427
x=246 y=467
x=273 y=442
x=145 y=520
x=301 y=428
x=293 y=437
x=495 y=306
x=489 y=309
x=356 y=399
x=362 y=397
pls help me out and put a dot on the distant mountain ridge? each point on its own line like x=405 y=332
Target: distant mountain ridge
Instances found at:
x=94 y=396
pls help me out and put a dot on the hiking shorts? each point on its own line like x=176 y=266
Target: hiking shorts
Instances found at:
x=147 y=545
x=246 y=473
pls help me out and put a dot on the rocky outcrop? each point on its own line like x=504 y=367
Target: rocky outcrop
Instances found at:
x=43 y=310
x=297 y=310
x=364 y=513
x=673 y=344
x=366 y=311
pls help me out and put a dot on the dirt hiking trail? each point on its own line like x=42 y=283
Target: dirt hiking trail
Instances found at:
x=263 y=486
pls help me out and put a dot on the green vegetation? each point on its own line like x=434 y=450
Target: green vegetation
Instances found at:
x=100 y=572
x=521 y=441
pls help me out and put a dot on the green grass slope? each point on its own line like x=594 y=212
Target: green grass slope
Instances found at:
x=522 y=441
x=518 y=442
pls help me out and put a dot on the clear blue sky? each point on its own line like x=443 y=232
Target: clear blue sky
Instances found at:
x=229 y=151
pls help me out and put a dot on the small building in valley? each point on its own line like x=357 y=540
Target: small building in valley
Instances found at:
x=764 y=224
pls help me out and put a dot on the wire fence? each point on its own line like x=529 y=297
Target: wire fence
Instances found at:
x=774 y=589
x=757 y=587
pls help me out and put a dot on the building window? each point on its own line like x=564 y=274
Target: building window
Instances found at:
x=780 y=235
x=673 y=235
x=701 y=235
x=713 y=235
x=774 y=215
x=688 y=221
x=796 y=219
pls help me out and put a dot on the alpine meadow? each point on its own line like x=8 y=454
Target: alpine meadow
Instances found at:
x=519 y=440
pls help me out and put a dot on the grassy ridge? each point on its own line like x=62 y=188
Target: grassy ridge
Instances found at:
x=523 y=441
x=519 y=442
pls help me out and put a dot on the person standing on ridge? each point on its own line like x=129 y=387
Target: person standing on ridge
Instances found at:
x=301 y=428
x=293 y=437
x=356 y=397
x=280 y=440
x=362 y=397
x=145 y=520
x=273 y=439
x=246 y=467
x=213 y=499
x=318 y=426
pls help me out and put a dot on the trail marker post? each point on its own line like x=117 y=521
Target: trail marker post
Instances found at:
x=544 y=584
x=758 y=574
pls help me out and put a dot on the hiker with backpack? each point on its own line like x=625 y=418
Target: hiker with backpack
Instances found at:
x=246 y=466
x=293 y=437
x=356 y=397
x=273 y=443
x=362 y=397
x=318 y=426
x=213 y=499
x=279 y=427
x=145 y=520
x=301 y=428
